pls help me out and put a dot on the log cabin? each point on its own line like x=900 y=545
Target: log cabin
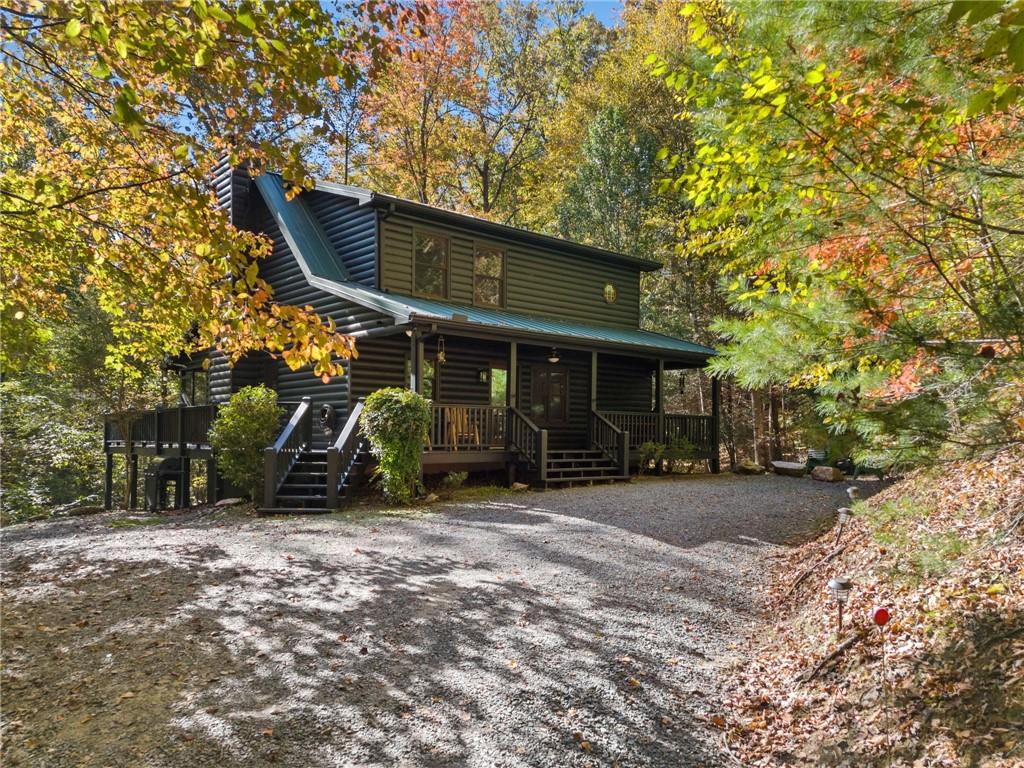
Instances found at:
x=528 y=346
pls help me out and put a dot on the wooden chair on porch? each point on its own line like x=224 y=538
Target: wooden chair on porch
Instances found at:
x=462 y=430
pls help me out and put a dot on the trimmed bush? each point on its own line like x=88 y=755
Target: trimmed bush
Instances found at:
x=244 y=427
x=397 y=423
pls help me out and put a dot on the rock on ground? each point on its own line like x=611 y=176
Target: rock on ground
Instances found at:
x=585 y=627
x=827 y=474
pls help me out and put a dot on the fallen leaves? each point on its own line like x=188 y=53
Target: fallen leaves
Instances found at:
x=951 y=691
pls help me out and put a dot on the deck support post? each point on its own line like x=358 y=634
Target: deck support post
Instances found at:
x=185 y=494
x=211 y=481
x=133 y=481
x=659 y=401
x=716 y=399
x=108 y=482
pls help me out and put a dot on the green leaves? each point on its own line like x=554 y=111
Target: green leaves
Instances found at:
x=73 y=28
x=396 y=422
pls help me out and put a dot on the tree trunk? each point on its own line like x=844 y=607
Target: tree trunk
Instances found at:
x=775 y=435
x=753 y=426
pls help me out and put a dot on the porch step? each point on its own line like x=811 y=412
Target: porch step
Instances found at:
x=293 y=511
x=609 y=478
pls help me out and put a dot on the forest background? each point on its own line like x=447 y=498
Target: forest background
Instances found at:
x=833 y=189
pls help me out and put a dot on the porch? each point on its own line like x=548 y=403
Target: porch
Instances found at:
x=535 y=408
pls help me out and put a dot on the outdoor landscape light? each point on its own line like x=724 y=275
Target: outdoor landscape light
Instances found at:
x=845 y=515
x=553 y=357
x=853 y=492
x=840 y=588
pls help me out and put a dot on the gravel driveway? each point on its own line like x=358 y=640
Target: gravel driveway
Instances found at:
x=579 y=627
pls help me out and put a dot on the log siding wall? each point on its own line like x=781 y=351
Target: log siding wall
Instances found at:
x=540 y=282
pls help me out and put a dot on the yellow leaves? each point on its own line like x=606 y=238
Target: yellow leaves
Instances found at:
x=996 y=589
x=73 y=28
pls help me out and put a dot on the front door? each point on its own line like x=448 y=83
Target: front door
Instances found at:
x=549 y=404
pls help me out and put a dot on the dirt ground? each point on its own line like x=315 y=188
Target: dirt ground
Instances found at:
x=570 y=628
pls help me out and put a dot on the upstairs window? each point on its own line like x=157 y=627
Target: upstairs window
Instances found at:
x=430 y=270
x=489 y=277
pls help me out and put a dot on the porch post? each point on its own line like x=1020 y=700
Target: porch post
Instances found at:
x=593 y=397
x=108 y=482
x=716 y=398
x=512 y=385
x=659 y=400
x=416 y=362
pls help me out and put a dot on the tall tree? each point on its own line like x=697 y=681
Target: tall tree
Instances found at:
x=412 y=111
x=611 y=198
x=868 y=212
x=113 y=118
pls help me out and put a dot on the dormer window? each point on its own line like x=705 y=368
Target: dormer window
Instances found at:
x=489 y=276
x=430 y=273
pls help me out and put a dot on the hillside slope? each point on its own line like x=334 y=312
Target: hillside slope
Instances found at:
x=942 y=549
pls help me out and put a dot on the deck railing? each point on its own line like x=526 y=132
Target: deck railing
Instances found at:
x=467 y=427
x=612 y=441
x=528 y=441
x=163 y=429
x=279 y=458
x=342 y=455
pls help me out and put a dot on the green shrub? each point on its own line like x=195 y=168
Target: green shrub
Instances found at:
x=397 y=422
x=651 y=452
x=244 y=427
x=454 y=480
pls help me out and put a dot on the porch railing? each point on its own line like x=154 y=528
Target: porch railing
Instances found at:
x=279 y=458
x=467 y=427
x=342 y=455
x=529 y=441
x=612 y=441
x=647 y=427
x=642 y=427
x=698 y=430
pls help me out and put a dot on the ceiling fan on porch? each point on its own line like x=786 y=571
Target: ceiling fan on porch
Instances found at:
x=553 y=357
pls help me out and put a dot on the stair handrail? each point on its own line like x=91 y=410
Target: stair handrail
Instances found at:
x=528 y=440
x=614 y=442
x=279 y=458
x=342 y=454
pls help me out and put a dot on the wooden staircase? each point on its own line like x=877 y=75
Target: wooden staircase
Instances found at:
x=304 y=490
x=581 y=465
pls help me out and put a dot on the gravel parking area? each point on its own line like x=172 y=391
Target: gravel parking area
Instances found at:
x=580 y=627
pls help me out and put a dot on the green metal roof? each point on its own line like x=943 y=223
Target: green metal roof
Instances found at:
x=426 y=309
x=322 y=269
x=300 y=228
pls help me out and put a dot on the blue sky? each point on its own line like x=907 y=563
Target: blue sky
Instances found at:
x=607 y=11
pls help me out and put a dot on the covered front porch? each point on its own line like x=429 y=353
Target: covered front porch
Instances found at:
x=530 y=406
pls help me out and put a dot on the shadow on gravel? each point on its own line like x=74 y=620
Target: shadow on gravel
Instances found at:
x=319 y=652
x=379 y=660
